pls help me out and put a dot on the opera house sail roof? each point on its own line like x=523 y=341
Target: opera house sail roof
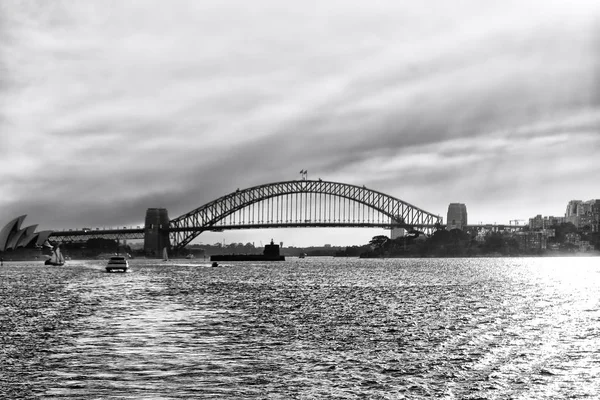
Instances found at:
x=12 y=236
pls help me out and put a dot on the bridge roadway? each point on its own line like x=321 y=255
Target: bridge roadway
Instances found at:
x=496 y=226
x=82 y=235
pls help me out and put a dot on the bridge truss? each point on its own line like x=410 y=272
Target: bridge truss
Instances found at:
x=83 y=235
x=300 y=203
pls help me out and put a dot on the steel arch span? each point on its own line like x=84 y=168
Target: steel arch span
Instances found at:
x=300 y=203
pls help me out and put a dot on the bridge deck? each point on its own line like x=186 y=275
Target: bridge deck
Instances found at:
x=80 y=235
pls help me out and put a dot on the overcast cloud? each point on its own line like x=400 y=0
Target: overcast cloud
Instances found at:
x=110 y=107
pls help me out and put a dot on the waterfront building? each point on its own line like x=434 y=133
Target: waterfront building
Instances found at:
x=573 y=219
x=551 y=221
x=573 y=238
x=586 y=207
x=532 y=240
x=536 y=222
x=573 y=207
x=589 y=215
x=584 y=214
x=572 y=214
x=457 y=216
x=586 y=222
x=596 y=216
x=543 y=223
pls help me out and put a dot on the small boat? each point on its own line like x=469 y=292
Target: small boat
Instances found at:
x=215 y=264
x=117 y=263
x=189 y=256
x=56 y=258
x=302 y=255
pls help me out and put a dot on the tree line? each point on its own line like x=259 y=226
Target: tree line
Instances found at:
x=457 y=243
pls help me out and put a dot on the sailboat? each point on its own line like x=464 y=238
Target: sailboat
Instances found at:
x=165 y=254
x=56 y=258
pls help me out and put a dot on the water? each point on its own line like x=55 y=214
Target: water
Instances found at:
x=317 y=328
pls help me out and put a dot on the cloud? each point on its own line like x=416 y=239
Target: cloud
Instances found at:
x=126 y=106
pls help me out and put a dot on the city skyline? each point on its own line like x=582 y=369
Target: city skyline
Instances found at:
x=107 y=110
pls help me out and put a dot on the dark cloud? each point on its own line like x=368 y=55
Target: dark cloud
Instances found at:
x=116 y=107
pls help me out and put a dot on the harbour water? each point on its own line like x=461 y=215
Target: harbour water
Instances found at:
x=313 y=328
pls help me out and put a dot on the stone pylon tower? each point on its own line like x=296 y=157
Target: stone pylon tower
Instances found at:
x=156 y=232
x=457 y=216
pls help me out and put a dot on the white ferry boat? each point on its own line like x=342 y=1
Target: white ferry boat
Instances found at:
x=117 y=263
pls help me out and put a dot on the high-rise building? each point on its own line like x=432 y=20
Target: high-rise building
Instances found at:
x=586 y=207
x=457 y=216
x=573 y=208
x=596 y=216
x=584 y=214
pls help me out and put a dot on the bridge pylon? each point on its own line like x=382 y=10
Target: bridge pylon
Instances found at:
x=156 y=232
x=397 y=231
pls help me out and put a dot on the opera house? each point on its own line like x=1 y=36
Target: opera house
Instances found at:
x=13 y=238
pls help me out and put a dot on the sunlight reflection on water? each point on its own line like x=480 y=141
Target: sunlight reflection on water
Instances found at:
x=312 y=328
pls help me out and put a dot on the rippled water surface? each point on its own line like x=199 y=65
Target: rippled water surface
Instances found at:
x=314 y=328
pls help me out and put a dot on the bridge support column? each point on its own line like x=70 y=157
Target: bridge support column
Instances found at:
x=156 y=233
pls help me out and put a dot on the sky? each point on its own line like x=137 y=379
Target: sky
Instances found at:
x=108 y=108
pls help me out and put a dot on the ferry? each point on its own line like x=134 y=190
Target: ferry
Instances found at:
x=117 y=263
x=270 y=253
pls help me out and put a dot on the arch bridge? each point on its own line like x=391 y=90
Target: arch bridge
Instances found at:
x=289 y=204
x=299 y=203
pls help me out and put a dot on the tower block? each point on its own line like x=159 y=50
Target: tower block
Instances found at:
x=156 y=232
